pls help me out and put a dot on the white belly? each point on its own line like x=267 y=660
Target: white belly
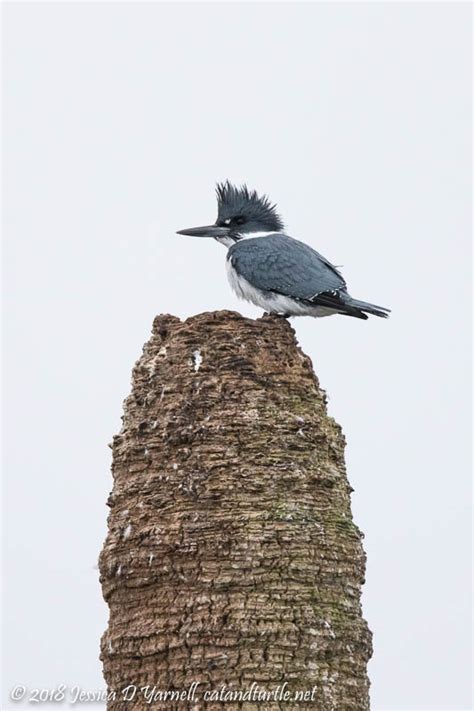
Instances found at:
x=269 y=301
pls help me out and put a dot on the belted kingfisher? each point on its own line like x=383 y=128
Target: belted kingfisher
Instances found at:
x=272 y=270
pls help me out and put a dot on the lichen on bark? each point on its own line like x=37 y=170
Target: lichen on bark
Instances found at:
x=231 y=556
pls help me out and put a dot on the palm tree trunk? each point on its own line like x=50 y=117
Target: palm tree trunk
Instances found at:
x=231 y=559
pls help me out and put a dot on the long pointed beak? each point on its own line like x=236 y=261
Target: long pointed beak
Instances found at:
x=209 y=231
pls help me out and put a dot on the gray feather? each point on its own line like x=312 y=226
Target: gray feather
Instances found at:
x=284 y=265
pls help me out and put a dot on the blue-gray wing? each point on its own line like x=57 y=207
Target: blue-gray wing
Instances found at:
x=284 y=265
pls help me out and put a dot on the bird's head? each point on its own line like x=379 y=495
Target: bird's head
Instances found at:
x=240 y=213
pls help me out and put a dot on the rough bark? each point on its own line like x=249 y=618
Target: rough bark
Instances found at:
x=231 y=556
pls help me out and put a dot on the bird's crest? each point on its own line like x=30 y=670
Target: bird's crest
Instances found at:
x=233 y=200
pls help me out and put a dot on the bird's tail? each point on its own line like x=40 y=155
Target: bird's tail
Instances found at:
x=365 y=307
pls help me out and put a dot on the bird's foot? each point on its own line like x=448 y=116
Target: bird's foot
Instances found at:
x=271 y=314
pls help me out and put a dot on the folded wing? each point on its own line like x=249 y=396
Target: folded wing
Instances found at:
x=286 y=266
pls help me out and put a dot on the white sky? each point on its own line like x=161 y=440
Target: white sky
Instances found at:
x=355 y=118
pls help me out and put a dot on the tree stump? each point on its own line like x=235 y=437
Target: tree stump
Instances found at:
x=232 y=563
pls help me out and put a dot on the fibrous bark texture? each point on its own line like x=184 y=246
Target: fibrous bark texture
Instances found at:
x=231 y=559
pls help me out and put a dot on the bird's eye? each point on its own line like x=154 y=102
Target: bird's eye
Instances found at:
x=239 y=220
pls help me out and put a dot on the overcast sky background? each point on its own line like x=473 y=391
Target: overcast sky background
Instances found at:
x=355 y=118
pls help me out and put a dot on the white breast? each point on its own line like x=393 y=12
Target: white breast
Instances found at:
x=243 y=288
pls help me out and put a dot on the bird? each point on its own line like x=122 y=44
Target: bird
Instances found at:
x=272 y=270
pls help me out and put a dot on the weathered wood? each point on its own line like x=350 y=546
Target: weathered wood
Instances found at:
x=231 y=556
